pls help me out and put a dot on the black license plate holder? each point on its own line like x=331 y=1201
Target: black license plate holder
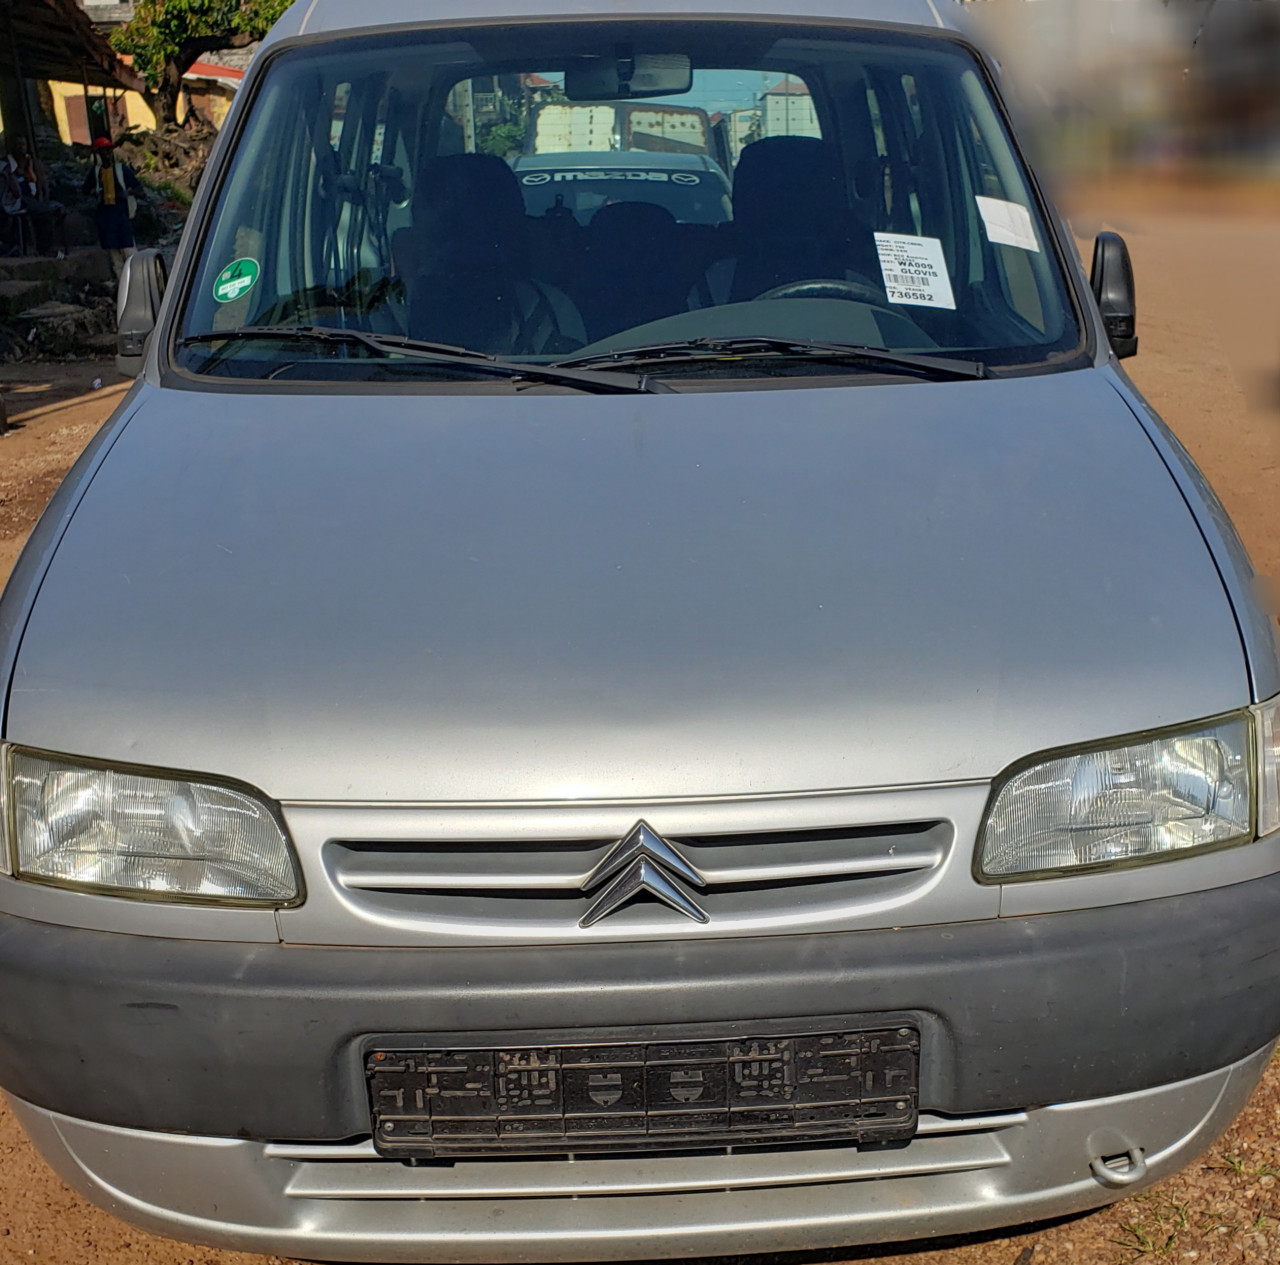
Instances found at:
x=851 y=1086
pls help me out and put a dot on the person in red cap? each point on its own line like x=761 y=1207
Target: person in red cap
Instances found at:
x=116 y=186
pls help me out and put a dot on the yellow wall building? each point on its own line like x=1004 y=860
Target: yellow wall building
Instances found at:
x=125 y=109
x=208 y=88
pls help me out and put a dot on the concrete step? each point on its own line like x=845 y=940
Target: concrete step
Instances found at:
x=18 y=296
x=81 y=265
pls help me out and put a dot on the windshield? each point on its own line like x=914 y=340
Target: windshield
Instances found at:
x=556 y=191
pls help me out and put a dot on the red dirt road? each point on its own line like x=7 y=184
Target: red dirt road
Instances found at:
x=1208 y=271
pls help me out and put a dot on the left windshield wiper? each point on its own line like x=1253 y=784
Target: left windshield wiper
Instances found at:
x=603 y=383
x=695 y=349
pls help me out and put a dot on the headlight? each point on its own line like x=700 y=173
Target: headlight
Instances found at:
x=1139 y=799
x=119 y=832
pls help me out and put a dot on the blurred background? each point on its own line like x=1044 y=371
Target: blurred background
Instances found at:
x=1144 y=85
x=1160 y=119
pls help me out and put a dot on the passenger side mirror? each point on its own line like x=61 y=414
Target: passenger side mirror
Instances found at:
x=142 y=284
x=1112 y=282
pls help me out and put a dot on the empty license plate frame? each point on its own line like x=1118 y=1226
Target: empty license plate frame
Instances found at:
x=850 y=1086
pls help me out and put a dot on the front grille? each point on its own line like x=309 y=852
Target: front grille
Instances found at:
x=754 y=882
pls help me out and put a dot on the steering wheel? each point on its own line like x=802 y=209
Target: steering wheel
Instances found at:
x=856 y=291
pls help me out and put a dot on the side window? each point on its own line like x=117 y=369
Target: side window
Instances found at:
x=988 y=177
x=338 y=115
x=775 y=105
x=489 y=114
x=787 y=109
x=914 y=127
x=997 y=186
x=897 y=124
x=268 y=226
x=877 y=123
x=913 y=104
x=333 y=221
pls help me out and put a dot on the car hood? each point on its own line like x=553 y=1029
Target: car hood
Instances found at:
x=551 y=596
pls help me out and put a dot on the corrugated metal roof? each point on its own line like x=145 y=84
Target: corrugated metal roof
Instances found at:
x=56 y=40
x=314 y=16
x=228 y=76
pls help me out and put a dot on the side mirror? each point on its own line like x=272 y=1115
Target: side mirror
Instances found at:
x=1112 y=281
x=142 y=284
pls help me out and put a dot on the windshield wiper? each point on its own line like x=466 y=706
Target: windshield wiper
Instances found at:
x=433 y=353
x=696 y=349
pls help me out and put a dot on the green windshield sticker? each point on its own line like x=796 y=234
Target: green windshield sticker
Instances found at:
x=236 y=279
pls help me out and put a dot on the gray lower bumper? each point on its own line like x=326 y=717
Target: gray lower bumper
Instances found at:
x=268 y=1041
x=332 y=1202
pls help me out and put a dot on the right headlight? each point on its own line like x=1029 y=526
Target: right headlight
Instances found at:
x=1143 y=798
x=150 y=835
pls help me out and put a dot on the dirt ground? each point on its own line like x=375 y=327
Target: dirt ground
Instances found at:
x=1208 y=271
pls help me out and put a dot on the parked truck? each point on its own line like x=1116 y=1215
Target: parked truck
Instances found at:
x=586 y=127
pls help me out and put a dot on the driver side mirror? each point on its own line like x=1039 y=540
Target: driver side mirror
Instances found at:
x=141 y=288
x=1112 y=281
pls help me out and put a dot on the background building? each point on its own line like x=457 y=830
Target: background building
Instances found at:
x=786 y=109
x=51 y=40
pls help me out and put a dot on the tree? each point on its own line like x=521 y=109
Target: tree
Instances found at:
x=166 y=37
x=501 y=139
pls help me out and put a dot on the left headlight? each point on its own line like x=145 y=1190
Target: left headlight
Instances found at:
x=1139 y=799
x=154 y=837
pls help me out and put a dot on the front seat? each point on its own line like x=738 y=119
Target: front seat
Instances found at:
x=791 y=222
x=465 y=264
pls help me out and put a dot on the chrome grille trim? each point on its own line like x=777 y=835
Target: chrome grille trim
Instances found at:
x=356 y=1176
x=410 y=871
x=541 y=891
x=503 y=875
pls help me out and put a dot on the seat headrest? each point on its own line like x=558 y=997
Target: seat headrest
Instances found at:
x=787 y=184
x=470 y=204
x=631 y=224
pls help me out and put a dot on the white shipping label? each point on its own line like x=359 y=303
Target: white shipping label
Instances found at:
x=915 y=270
x=1008 y=224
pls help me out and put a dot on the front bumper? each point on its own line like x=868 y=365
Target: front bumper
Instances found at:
x=268 y=1041
x=335 y=1202
x=216 y=1091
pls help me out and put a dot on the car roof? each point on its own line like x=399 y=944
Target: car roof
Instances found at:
x=309 y=17
x=614 y=158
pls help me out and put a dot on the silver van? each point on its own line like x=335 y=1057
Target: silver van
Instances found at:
x=756 y=738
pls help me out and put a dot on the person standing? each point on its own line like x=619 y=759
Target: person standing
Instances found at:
x=116 y=186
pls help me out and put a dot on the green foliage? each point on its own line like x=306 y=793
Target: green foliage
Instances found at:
x=166 y=36
x=502 y=139
x=168 y=191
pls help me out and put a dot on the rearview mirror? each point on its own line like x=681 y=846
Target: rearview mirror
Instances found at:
x=138 y=296
x=1112 y=281
x=626 y=75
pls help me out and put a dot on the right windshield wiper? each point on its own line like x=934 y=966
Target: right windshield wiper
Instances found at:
x=694 y=349
x=602 y=383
